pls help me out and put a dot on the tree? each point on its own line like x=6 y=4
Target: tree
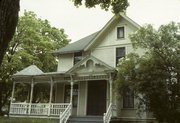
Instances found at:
x=116 y=5
x=9 y=16
x=34 y=41
x=8 y=21
x=154 y=76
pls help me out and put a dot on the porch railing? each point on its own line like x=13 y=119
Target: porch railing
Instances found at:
x=108 y=114
x=46 y=109
x=64 y=116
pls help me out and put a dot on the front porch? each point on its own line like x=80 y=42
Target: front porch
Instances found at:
x=89 y=96
x=84 y=90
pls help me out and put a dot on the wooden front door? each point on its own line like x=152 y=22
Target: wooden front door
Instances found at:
x=96 y=104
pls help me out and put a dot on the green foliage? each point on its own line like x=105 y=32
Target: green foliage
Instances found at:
x=34 y=41
x=116 y=5
x=24 y=120
x=156 y=74
x=126 y=73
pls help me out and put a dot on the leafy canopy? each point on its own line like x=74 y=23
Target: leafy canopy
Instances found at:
x=156 y=74
x=115 y=5
x=34 y=41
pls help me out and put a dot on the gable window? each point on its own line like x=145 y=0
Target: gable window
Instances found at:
x=77 y=57
x=120 y=32
x=128 y=99
x=120 y=53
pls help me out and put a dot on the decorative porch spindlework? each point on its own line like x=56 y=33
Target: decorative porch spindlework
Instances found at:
x=37 y=109
x=87 y=70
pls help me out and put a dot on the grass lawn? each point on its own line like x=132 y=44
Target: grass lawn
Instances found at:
x=25 y=120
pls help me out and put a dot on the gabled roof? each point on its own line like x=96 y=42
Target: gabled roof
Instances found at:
x=29 y=71
x=77 y=46
x=98 y=61
x=107 y=25
x=85 y=43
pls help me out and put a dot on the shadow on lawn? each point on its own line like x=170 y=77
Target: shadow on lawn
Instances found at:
x=25 y=120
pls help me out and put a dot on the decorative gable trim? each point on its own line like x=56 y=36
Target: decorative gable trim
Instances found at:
x=107 y=25
x=100 y=33
x=89 y=62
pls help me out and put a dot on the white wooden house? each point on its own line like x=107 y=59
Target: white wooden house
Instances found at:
x=83 y=83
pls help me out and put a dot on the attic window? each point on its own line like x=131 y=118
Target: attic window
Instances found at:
x=77 y=57
x=120 y=32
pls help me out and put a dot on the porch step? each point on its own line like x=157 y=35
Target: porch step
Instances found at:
x=85 y=119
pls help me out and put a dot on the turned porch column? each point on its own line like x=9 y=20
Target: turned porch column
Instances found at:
x=111 y=90
x=71 y=94
x=12 y=96
x=51 y=94
x=51 y=90
x=31 y=95
x=13 y=89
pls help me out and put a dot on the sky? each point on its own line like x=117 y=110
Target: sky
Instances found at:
x=80 y=22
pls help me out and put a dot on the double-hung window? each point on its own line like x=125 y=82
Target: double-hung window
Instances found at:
x=120 y=32
x=67 y=94
x=128 y=99
x=77 y=57
x=120 y=53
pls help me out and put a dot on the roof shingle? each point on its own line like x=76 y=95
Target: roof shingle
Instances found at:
x=29 y=71
x=77 y=46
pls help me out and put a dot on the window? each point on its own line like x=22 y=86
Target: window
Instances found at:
x=67 y=94
x=120 y=53
x=120 y=32
x=128 y=99
x=77 y=57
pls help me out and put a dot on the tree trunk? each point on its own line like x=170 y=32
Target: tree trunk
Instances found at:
x=9 y=10
x=1 y=98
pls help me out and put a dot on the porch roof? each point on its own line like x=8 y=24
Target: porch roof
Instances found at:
x=29 y=71
x=80 y=71
x=33 y=70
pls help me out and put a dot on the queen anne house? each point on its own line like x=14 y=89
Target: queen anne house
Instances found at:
x=82 y=88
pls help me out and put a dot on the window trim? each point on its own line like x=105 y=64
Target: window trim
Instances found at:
x=68 y=87
x=115 y=64
x=129 y=107
x=74 y=57
x=117 y=36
